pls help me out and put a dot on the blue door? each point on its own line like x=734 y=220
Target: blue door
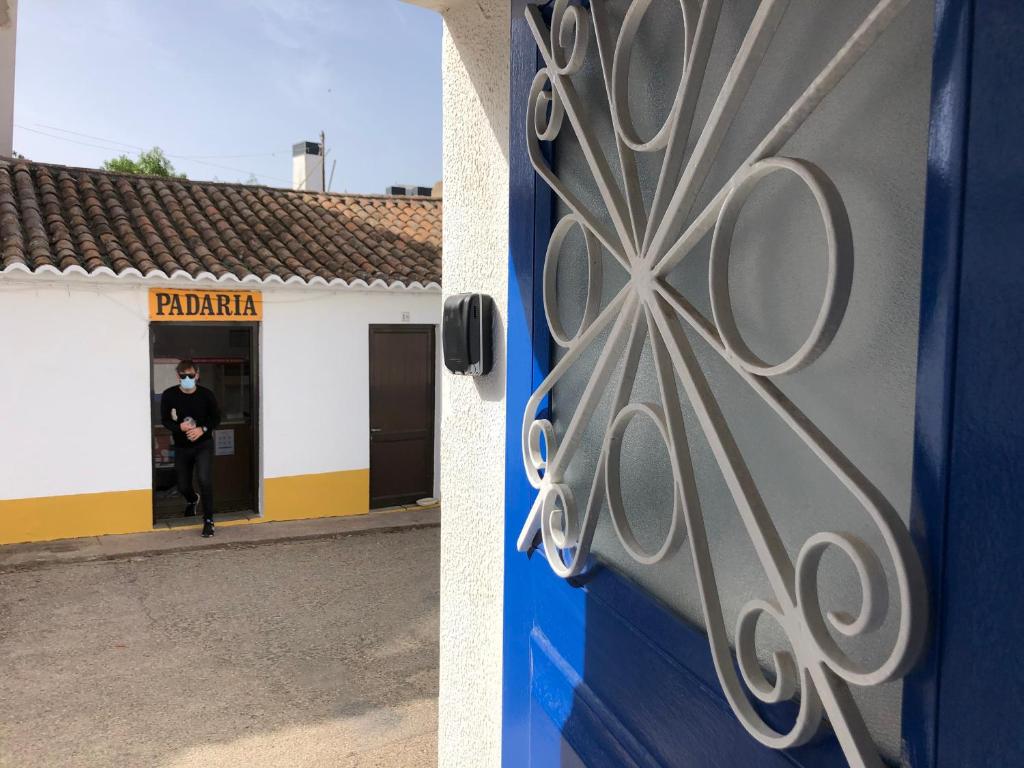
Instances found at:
x=764 y=430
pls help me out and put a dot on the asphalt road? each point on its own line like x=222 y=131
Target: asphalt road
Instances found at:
x=302 y=653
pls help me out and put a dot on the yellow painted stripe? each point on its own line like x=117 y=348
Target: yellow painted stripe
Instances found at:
x=297 y=497
x=328 y=494
x=67 y=517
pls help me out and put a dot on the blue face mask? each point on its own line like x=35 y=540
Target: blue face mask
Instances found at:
x=188 y=383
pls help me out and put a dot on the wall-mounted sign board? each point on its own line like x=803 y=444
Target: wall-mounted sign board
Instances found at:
x=224 y=442
x=172 y=304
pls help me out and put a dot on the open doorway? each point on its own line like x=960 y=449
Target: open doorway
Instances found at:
x=226 y=355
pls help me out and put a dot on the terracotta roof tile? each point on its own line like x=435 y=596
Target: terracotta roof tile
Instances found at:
x=63 y=217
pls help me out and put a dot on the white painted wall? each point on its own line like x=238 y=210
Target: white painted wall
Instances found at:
x=315 y=374
x=475 y=60
x=76 y=356
x=74 y=384
x=8 y=29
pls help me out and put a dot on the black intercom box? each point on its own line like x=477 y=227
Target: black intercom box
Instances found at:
x=466 y=334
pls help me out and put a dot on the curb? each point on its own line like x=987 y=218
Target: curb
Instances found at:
x=53 y=560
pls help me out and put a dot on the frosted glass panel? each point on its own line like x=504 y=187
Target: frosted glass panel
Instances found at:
x=870 y=137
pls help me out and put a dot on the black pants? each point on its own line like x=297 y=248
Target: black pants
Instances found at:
x=197 y=456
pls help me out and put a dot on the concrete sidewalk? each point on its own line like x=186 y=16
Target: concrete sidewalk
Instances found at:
x=17 y=557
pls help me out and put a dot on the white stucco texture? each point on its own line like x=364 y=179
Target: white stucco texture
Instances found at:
x=315 y=369
x=74 y=386
x=475 y=57
x=75 y=379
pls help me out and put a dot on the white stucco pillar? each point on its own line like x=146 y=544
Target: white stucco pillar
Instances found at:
x=475 y=68
x=8 y=28
x=475 y=61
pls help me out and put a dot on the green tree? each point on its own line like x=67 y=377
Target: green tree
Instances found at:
x=151 y=163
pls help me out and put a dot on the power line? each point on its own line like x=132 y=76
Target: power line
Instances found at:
x=84 y=135
x=224 y=157
x=62 y=138
x=143 y=149
x=240 y=170
x=114 y=149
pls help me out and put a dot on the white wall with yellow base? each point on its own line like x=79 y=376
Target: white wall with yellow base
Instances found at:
x=76 y=451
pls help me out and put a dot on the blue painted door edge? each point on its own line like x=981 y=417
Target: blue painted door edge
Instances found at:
x=940 y=278
x=527 y=350
x=981 y=679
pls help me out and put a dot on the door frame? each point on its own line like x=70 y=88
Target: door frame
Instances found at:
x=257 y=395
x=964 y=523
x=397 y=328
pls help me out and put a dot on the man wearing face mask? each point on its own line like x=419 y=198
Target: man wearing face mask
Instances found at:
x=191 y=414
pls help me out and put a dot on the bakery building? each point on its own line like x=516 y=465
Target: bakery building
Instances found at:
x=312 y=317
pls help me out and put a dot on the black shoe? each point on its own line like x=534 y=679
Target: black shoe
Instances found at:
x=207 y=529
x=190 y=508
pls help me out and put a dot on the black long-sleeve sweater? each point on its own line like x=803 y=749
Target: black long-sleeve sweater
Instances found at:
x=201 y=405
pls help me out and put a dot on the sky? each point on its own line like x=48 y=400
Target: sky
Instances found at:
x=226 y=87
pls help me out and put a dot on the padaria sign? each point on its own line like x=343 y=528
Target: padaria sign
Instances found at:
x=168 y=304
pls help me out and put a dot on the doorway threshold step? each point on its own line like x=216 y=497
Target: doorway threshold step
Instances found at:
x=197 y=522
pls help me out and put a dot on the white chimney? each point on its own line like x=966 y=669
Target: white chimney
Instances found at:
x=307 y=165
x=8 y=28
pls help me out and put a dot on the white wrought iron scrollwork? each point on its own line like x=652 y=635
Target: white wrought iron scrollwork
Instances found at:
x=648 y=242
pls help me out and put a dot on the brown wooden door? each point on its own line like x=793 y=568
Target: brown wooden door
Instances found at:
x=402 y=362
